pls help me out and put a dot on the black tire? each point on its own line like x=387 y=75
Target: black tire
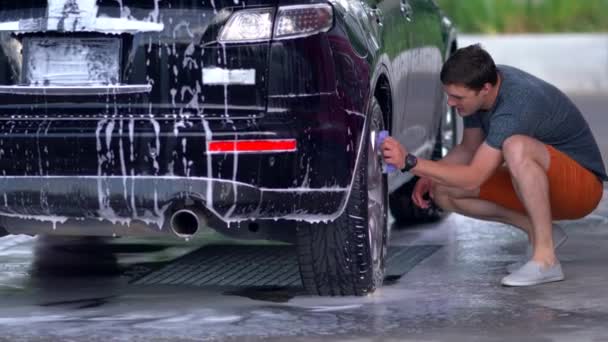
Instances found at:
x=347 y=256
x=403 y=209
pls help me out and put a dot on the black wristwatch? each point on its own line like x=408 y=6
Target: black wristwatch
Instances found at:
x=410 y=162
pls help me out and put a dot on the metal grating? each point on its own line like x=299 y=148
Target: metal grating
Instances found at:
x=401 y=259
x=259 y=266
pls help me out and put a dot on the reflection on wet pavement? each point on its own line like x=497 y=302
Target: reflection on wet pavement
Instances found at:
x=271 y=294
x=73 y=257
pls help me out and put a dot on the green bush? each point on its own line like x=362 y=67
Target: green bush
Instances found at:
x=518 y=16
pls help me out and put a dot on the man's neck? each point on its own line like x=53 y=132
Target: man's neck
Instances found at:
x=493 y=95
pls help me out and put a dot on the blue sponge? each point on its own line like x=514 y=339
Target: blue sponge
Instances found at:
x=386 y=168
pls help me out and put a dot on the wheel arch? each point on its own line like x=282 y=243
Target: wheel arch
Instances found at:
x=382 y=91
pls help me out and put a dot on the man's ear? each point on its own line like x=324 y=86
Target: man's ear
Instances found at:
x=486 y=88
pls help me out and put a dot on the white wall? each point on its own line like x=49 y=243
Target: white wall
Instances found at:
x=575 y=63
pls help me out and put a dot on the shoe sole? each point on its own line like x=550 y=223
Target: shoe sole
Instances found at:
x=533 y=282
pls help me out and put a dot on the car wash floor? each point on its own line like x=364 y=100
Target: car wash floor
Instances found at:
x=442 y=284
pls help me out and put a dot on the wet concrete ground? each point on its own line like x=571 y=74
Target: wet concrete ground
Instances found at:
x=54 y=291
x=453 y=295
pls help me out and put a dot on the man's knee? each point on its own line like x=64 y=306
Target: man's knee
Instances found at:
x=441 y=196
x=514 y=150
x=520 y=150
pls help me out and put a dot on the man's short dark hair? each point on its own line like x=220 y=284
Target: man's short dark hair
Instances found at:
x=471 y=66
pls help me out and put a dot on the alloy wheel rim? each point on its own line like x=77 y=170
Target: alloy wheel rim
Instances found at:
x=376 y=204
x=448 y=131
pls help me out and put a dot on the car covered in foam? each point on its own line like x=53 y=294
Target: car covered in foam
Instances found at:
x=256 y=118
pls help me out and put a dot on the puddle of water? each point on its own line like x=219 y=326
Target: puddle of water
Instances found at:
x=269 y=294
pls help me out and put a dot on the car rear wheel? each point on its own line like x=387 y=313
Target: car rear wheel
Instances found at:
x=402 y=207
x=347 y=256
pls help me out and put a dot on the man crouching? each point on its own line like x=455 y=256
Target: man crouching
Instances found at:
x=527 y=158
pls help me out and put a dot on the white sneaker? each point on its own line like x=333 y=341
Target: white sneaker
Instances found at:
x=533 y=273
x=559 y=238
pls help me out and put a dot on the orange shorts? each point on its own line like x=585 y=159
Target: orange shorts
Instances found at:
x=574 y=191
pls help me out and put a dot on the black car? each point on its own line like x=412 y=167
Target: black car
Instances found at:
x=256 y=118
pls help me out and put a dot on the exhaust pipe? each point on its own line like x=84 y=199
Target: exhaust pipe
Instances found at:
x=186 y=222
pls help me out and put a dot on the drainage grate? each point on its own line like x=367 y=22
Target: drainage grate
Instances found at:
x=259 y=266
x=401 y=259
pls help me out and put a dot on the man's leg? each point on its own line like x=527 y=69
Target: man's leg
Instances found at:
x=528 y=161
x=467 y=203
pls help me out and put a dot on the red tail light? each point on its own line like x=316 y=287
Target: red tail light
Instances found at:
x=251 y=146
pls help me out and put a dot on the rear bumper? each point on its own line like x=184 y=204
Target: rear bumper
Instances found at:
x=151 y=199
x=129 y=172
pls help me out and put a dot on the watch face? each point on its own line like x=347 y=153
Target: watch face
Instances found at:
x=410 y=161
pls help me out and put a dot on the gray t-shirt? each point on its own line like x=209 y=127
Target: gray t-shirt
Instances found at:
x=529 y=106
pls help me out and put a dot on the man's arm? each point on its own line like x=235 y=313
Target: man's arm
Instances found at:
x=466 y=174
x=461 y=154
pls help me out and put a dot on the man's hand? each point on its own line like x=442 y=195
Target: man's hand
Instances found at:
x=394 y=153
x=423 y=186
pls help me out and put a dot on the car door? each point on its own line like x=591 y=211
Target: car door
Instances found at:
x=410 y=35
x=423 y=93
x=395 y=41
